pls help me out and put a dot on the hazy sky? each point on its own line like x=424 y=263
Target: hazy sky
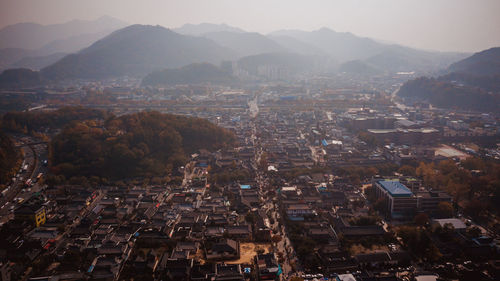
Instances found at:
x=447 y=25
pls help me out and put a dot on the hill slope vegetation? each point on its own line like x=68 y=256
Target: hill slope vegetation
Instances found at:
x=473 y=84
x=449 y=95
x=483 y=63
x=141 y=144
x=9 y=155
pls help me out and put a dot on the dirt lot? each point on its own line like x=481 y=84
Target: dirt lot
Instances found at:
x=248 y=251
x=358 y=249
x=448 y=151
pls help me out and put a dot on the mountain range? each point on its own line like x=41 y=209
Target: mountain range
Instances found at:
x=345 y=47
x=137 y=50
x=35 y=36
x=245 y=44
x=39 y=43
x=471 y=84
x=483 y=63
x=203 y=28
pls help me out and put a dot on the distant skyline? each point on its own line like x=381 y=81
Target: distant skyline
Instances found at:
x=443 y=25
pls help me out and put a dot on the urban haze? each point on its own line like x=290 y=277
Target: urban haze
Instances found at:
x=250 y=140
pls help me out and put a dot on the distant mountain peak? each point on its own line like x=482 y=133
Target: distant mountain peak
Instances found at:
x=245 y=44
x=35 y=36
x=107 y=18
x=136 y=50
x=326 y=29
x=202 y=28
x=142 y=26
x=486 y=62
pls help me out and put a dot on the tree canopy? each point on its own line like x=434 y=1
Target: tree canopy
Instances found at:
x=140 y=144
x=450 y=95
x=26 y=122
x=8 y=156
x=473 y=183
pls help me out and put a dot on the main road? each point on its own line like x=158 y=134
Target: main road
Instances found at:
x=32 y=154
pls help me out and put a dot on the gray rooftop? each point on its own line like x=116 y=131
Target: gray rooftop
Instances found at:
x=395 y=188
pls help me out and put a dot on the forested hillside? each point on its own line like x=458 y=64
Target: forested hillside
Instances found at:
x=450 y=95
x=482 y=63
x=141 y=144
x=136 y=50
x=9 y=155
x=472 y=84
x=26 y=122
x=19 y=78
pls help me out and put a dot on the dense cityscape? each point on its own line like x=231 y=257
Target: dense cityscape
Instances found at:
x=264 y=166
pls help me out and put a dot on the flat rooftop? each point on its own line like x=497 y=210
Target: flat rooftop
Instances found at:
x=288 y=188
x=395 y=188
x=382 y=131
x=456 y=223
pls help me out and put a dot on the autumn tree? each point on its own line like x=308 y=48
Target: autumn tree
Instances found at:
x=421 y=219
x=476 y=208
x=276 y=239
x=263 y=162
x=407 y=170
x=144 y=144
x=445 y=210
x=418 y=242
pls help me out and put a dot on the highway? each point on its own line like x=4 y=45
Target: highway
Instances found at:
x=34 y=152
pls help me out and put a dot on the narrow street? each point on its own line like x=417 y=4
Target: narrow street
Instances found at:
x=284 y=245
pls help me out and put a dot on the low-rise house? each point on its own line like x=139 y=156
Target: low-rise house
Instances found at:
x=216 y=220
x=178 y=269
x=111 y=248
x=179 y=254
x=267 y=267
x=226 y=249
x=299 y=210
x=228 y=272
x=240 y=232
x=250 y=199
x=214 y=232
x=354 y=231
x=321 y=233
x=373 y=259
x=181 y=233
x=105 y=266
x=203 y=272
x=190 y=247
x=43 y=233
x=33 y=213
